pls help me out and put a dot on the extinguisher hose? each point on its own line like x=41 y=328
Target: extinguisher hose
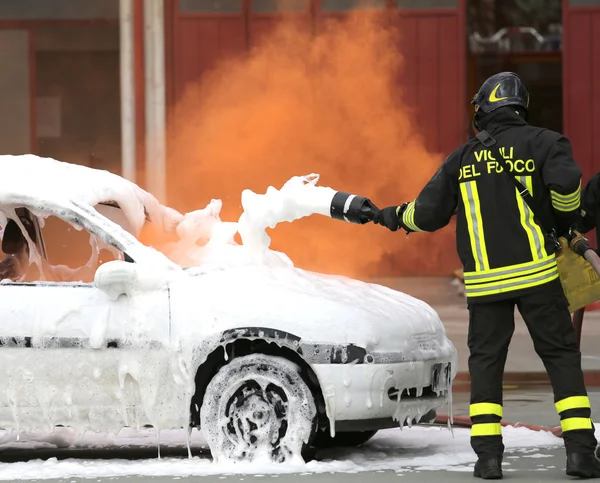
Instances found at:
x=592 y=257
x=580 y=246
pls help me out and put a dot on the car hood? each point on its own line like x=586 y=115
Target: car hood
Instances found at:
x=315 y=307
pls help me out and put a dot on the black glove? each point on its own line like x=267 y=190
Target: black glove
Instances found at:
x=391 y=217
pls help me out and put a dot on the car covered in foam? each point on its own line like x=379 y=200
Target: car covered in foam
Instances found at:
x=263 y=357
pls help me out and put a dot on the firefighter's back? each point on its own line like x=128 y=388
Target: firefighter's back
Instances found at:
x=503 y=247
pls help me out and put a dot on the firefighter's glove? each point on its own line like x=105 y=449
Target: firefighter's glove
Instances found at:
x=391 y=217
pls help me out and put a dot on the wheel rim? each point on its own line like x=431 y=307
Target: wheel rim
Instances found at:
x=258 y=407
x=256 y=418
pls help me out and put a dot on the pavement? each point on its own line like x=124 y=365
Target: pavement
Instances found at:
x=520 y=471
x=520 y=465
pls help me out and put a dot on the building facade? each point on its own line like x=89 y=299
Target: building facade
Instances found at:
x=95 y=82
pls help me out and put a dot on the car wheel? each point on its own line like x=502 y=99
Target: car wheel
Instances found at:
x=257 y=406
x=350 y=439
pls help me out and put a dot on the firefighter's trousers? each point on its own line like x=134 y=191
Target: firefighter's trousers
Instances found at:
x=491 y=326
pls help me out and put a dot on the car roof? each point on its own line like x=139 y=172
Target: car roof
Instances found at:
x=45 y=187
x=39 y=183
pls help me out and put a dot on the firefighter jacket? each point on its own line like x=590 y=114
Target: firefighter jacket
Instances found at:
x=590 y=206
x=502 y=246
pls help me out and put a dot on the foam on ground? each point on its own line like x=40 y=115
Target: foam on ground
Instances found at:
x=415 y=449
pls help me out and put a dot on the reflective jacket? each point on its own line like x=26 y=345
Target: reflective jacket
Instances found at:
x=502 y=246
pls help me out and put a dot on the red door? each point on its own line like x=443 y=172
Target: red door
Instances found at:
x=204 y=33
x=266 y=15
x=434 y=47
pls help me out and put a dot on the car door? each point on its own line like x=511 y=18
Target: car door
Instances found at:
x=66 y=356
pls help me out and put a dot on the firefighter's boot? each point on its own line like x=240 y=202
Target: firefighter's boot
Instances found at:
x=488 y=469
x=583 y=465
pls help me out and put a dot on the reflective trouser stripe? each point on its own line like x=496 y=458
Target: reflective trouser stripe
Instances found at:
x=573 y=424
x=568 y=202
x=573 y=402
x=523 y=282
x=571 y=410
x=470 y=197
x=408 y=217
x=486 y=429
x=533 y=230
x=482 y=409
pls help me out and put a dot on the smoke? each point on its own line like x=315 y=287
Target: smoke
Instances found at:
x=297 y=103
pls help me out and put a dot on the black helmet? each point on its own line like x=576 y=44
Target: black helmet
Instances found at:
x=503 y=89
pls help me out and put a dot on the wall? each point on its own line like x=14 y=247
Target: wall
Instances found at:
x=202 y=33
x=435 y=72
x=15 y=85
x=581 y=74
x=434 y=44
x=77 y=79
x=59 y=10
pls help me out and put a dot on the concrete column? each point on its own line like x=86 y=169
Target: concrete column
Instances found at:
x=127 y=90
x=154 y=56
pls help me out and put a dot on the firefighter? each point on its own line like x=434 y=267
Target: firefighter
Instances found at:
x=590 y=207
x=509 y=260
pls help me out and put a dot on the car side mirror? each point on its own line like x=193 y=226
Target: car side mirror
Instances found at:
x=118 y=277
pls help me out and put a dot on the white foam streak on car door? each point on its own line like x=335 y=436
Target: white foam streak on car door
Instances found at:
x=65 y=358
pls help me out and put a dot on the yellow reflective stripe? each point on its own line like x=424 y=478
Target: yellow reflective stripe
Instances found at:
x=481 y=409
x=573 y=424
x=573 y=402
x=507 y=280
x=566 y=207
x=408 y=217
x=568 y=202
x=520 y=283
x=534 y=233
x=470 y=197
x=565 y=200
x=568 y=198
x=510 y=270
x=486 y=429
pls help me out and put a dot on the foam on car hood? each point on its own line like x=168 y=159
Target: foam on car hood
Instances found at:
x=315 y=307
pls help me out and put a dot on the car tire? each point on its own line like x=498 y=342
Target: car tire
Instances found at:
x=257 y=406
x=350 y=439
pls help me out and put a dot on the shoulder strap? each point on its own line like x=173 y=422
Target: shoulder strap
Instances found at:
x=546 y=223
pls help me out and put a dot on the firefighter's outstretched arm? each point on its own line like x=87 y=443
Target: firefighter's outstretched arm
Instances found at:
x=434 y=206
x=562 y=175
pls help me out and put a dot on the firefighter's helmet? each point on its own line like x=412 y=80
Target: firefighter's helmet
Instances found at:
x=503 y=89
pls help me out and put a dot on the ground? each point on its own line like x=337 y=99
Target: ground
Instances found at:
x=417 y=454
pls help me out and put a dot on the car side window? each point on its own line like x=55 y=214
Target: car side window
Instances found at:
x=13 y=252
x=75 y=255
x=67 y=254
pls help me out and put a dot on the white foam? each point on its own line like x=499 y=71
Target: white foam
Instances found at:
x=299 y=197
x=36 y=180
x=297 y=403
x=177 y=309
x=416 y=449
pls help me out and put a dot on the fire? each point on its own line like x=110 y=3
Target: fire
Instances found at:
x=297 y=103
